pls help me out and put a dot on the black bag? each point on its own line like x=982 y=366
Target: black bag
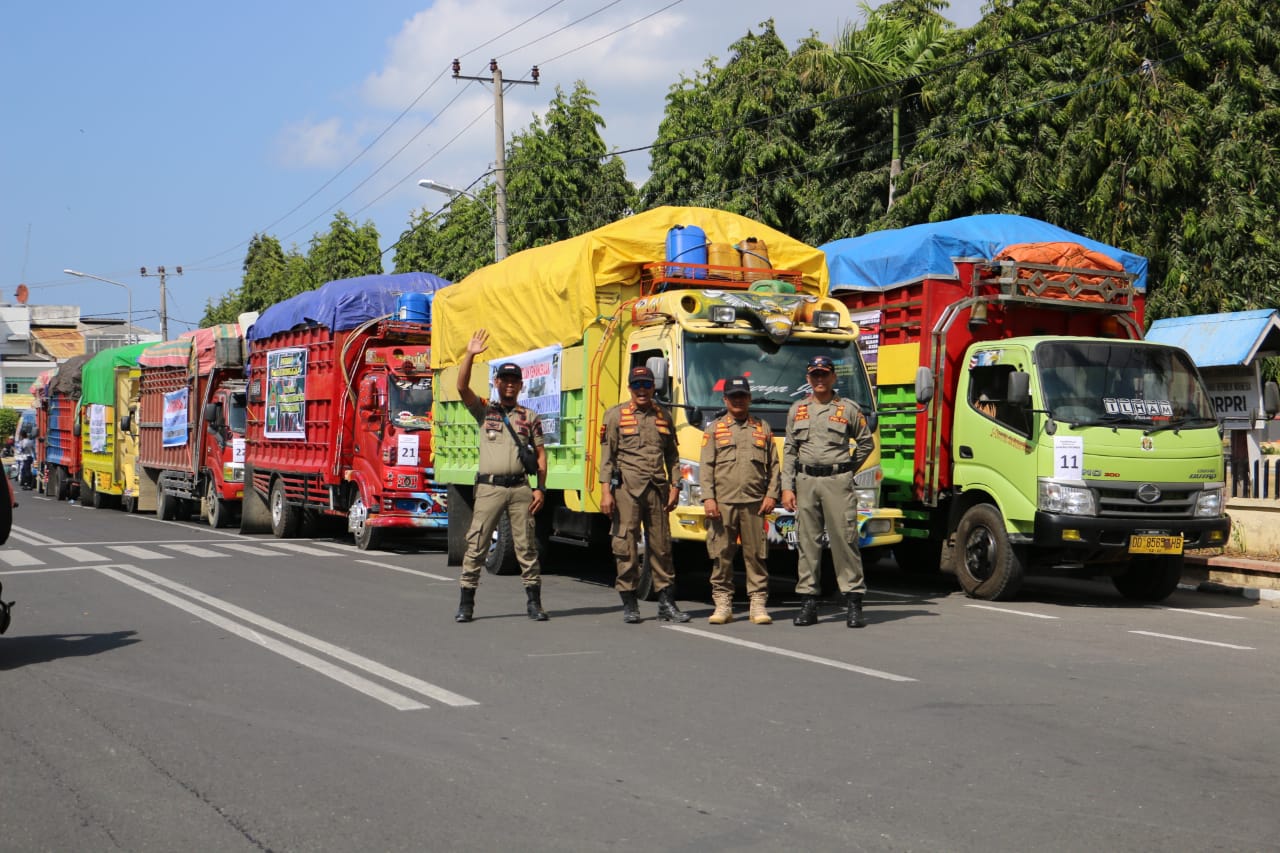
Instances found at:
x=528 y=456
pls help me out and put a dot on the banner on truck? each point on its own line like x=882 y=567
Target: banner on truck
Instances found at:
x=174 y=427
x=286 y=393
x=541 y=391
x=97 y=428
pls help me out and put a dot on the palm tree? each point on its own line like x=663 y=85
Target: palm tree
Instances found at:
x=883 y=60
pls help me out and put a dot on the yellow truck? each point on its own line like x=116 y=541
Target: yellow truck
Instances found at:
x=579 y=314
x=110 y=389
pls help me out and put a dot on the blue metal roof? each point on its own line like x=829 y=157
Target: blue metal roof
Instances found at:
x=1221 y=340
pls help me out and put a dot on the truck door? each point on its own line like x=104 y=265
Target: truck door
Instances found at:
x=992 y=445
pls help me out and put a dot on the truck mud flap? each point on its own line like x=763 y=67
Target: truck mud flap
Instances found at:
x=255 y=515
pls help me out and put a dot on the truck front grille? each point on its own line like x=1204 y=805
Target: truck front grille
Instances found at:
x=1177 y=500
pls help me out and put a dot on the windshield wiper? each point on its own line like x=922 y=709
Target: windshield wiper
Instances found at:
x=1180 y=423
x=767 y=398
x=1112 y=421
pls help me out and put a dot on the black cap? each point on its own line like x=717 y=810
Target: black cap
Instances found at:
x=639 y=373
x=737 y=385
x=822 y=362
x=510 y=368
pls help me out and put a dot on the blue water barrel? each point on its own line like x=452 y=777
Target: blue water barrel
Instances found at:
x=687 y=244
x=414 y=307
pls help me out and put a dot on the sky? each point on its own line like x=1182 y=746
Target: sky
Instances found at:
x=151 y=133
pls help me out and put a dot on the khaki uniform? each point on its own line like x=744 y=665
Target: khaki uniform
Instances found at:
x=738 y=470
x=816 y=465
x=512 y=495
x=640 y=445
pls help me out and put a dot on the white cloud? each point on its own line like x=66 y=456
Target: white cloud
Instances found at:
x=310 y=144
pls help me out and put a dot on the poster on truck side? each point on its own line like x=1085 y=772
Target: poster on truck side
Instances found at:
x=174 y=426
x=97 y=428
x=541 y=391
x=286 y=393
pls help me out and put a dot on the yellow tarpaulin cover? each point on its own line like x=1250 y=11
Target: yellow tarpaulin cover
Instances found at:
x=547 y=295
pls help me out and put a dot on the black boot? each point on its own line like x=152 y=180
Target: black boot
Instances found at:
x=630 y=609
x=854 y=617
x=667 y=610
x=808 y=614
x=536 y=613
x=466 y=605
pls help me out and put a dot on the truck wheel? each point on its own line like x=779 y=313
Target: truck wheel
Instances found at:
x=55 y=485
x=366 y=536
x=461 y=504
x=285 y=520
x=166 y=509
x=987 y=565
x=184 y=509
x=501 y=559
x=1150 y=578
x=98 y=499
x=216 y=511
x=129 y=503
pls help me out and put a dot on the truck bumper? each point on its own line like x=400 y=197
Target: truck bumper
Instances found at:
x=1087 y=534
x=412 y=510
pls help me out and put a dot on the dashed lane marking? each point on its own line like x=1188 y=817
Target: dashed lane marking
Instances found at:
x=194 y=551
x=788 y=653
x=140 y=553
x=1012 y=612
x=20 y=558
x=80 y=555
x=1195 y=612
x=257 y=550
x=406 y=571
x=1193 y=640
x=298 y=548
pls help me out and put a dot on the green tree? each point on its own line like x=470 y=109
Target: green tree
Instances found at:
x=345 y=251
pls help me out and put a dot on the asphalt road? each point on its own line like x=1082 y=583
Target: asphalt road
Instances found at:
x=170 y=687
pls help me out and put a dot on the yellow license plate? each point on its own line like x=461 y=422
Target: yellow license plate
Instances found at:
x=1155 y=544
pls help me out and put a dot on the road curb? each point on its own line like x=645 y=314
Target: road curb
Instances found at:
x=1253 y=579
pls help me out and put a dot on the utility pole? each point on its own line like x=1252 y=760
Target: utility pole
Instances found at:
x=500 y=136
x=164 y=313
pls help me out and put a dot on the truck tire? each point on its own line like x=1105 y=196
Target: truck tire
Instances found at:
x=286 y=520
x=166 y=507
x=986 y=564
x=98 y=499
x=129 y=503
x=1150 y=578
x=501 y=559
x=216 y=511
x=461 y=503
x=55 y=484
x=366 y=536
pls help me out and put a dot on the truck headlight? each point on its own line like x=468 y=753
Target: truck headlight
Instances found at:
x=866 y=483
x=1068 y=500
x=1209 y=503
x=826 y=319
x=690 y=484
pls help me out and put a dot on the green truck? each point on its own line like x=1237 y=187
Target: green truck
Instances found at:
x=1025 y=425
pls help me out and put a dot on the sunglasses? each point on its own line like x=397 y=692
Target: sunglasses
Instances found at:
x=645 y=384
x=820 y=372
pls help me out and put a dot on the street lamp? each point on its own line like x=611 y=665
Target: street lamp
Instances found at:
x=127 y=288
x=499 y=245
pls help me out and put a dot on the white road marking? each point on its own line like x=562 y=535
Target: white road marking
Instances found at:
x=1191 y=640
x=336 y=546
x=406 y=571
x=81 y=555
x=774 y=650
x=140 y=553
x=1195 y=612
x=49 y=570
x=897 y=594
x=560 y=654
x=247 y=549
x=1014 y=612
x=298 y=548
x=31 y=537
x=194 y=550
x=337 y=673
x=20 y=558
x=405 y=680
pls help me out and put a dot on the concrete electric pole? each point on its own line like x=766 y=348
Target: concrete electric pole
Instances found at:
x=164 y=312
x=500 y=167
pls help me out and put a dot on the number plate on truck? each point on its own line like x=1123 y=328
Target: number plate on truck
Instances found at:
x=406 y=481
x=1153 y=544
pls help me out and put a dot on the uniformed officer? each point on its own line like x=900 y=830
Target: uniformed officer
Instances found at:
x=817 y=485
x=502 y=484
x=739 y=474
x=638 y=460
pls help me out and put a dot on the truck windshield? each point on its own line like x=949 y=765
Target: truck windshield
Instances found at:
x=1120 y=383
x=776 y=372
x=236 y=414
x=409 y=403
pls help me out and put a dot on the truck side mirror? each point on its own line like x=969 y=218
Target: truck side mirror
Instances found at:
x=125 y=423
x=76 y=428
x=213 y=414
x=924 y=384
x=1019 y=390
x=873 y=420
x=1271 y=399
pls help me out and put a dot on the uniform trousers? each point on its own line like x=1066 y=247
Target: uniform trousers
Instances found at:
x=828 y=503
x=649 y=510
x=738 y=522
x=490 y=503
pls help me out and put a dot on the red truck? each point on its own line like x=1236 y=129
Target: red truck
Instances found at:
x=58 y=458
x=339 y=411
x=191 y=419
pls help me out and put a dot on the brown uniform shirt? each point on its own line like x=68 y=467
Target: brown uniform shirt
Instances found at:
x=739 y=463
x=819 y=433
x=497 y=450
x=640 y=444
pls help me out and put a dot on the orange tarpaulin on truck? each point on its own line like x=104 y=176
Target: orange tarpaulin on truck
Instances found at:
x=1061 y=254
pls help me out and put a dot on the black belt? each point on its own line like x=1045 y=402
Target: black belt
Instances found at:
x=826 y=470
x=502 y=480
